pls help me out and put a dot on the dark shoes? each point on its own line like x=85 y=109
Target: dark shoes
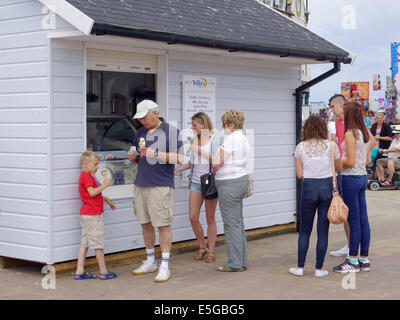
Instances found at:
x=347 y=266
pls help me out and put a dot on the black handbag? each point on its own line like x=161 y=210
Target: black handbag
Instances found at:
x=208 y=187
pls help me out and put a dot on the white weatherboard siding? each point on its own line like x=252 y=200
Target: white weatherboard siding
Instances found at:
x=23 y=131
x=265 y=95
x=68 y=124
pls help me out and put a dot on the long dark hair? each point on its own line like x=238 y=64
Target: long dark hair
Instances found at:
x=353 y=120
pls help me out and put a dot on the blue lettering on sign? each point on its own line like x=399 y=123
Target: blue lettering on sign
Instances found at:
x=199 y=83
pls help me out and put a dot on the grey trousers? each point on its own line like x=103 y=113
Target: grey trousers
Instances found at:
x=230 y=199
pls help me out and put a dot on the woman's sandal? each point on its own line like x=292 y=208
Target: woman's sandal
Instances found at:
x=84 y=276
x=209 y=257
x=231 y=269
x=200 y=254
x=107 y=276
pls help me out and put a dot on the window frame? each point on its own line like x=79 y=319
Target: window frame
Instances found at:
x=119 y=192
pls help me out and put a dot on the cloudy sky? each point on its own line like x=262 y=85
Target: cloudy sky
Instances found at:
x=376 y=25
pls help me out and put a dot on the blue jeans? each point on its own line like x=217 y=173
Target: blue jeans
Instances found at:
x=354 y=196
x=316 y=194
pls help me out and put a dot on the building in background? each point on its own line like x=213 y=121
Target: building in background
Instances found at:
x=294 y=9
x=356 y=91
x=395 y=52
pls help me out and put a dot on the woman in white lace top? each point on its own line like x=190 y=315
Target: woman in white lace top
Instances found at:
x=314 y=166
x=357 y=145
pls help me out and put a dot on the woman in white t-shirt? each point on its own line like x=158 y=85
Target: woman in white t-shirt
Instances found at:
x=314 y=167
x=231 y=167
x=204 y=144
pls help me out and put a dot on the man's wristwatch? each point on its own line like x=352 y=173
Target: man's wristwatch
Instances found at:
x=156 y=154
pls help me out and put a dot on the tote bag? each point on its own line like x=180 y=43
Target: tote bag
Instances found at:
x=338 y=211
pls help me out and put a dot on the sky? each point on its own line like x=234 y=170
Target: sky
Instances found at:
x=365 y=28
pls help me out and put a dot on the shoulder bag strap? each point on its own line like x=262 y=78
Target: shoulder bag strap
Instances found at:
x=333 y=168
x=210 y=142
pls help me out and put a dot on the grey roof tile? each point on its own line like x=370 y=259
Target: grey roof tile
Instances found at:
x=245 y=22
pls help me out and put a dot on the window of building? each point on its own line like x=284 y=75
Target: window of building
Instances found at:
x=111 y=103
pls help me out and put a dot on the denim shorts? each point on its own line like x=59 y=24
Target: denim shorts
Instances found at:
x=195 y=187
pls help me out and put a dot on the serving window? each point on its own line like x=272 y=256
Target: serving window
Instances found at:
x=111 y=103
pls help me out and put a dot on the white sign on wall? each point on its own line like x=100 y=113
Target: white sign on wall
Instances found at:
x=198 y=95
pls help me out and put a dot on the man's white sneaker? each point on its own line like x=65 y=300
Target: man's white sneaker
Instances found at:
x=296 y=271
x=146 y=267
x=163 y=275
x=321 y=273
x=341 y=252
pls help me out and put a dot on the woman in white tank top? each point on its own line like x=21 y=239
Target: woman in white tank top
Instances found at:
x=202 y=147
x=357 y=146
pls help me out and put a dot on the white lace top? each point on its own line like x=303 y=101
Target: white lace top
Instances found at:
x=361 y=157
x=316 y=158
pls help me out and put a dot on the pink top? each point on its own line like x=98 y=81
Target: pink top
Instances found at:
x=340 y=133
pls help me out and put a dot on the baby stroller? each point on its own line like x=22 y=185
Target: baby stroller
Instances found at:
x=373 y=182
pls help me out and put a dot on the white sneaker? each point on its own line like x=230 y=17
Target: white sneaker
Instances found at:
x=163 y=275
x=146 y=267
x=296 y=271
x=321 y=273
x=341 y=252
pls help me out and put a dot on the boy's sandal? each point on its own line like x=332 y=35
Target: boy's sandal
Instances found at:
x=231 y=269
x=107 y=276
x=84 y=276
x=209 y=257
x=386 y=183
x=200 y=254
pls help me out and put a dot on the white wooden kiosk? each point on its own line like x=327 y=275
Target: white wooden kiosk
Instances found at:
x=45 y=60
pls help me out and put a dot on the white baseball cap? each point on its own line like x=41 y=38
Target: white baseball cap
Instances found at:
x=143 y=107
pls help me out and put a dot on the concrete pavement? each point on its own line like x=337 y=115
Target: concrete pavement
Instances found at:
x=267 y=277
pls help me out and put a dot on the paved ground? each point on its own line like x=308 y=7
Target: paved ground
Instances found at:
x=267 y=276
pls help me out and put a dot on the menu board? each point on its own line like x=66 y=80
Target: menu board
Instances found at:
x=198 y=95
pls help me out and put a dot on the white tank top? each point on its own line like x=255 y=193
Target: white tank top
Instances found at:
x=361 y=157
x=201 y=165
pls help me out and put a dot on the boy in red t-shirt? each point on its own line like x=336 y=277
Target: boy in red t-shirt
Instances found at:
x=91 y=217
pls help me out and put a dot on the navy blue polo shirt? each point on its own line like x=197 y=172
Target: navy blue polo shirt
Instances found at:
x=153 y=172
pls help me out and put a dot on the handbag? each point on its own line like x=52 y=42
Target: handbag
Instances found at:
x=338 y=211
x=208 y=187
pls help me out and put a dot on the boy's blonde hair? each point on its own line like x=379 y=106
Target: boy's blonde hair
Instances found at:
x=234 y=116
x=88 y=155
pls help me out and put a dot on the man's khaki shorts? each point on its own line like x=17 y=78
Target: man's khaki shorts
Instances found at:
x=92 y=231
x=384 y=162
x=154 y=204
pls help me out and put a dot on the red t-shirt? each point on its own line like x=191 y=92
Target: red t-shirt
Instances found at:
x=339 y=125
x=91 y=205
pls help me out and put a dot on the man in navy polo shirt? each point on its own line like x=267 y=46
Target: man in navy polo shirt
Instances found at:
x=159 y=149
